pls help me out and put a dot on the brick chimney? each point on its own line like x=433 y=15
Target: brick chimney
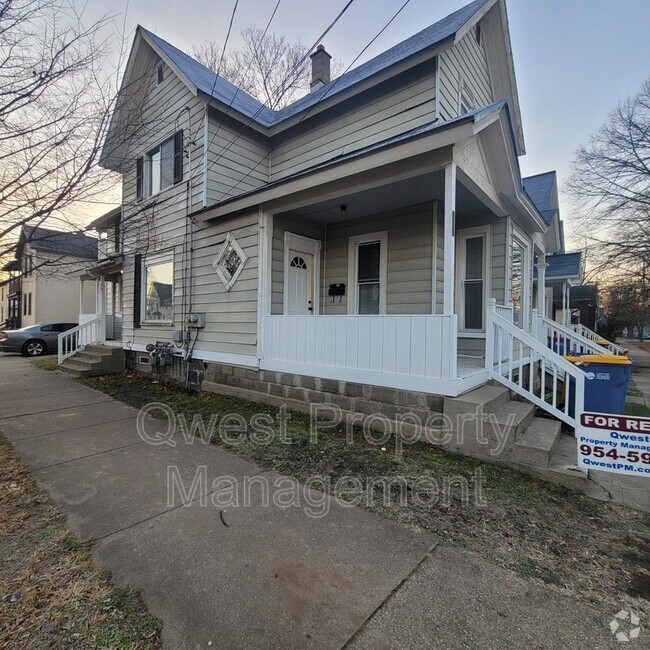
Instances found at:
x=320 y=68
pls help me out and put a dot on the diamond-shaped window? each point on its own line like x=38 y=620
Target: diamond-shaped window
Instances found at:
x=229 y=262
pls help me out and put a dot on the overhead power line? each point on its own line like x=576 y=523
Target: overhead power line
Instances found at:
x=308 y=112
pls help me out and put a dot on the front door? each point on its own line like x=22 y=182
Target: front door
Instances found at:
x=301 y=279
x=300 y=299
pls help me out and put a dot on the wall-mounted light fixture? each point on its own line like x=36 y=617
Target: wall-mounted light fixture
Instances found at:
x=344 y=209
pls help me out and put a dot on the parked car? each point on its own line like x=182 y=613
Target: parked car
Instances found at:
x=35 y=340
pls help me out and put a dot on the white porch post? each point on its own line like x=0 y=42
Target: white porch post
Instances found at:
x=450 y=238
x=565 y=302
x=81 y=297
x=100 y=307
x=541 y=285
x=264 y=261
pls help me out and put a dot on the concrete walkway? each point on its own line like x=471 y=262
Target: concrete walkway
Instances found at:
x=259 y=575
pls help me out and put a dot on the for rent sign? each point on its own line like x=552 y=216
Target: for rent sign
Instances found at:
x=614 y=443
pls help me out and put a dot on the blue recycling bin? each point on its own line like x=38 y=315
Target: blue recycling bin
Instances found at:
x=606 y=380
x=560 y=345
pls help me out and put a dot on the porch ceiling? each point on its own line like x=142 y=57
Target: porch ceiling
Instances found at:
x=392 y=196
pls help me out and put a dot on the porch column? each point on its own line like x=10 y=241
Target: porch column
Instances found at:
x=450 y=238
x=541 y=285
x=100 y=289
x=100 y=309
x=565 y=301
x=81 y=296
x=264 y=260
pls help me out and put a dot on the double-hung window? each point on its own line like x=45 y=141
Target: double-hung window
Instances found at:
x=472 y=275
x=161 y=168
x=367 y=273
x=158 y=288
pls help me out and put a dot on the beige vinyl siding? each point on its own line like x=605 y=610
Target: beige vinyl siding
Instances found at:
x=163 y=110
x=238 y=159
x=409 y=261
x=465 y=62
x=159 y=223
x=297 y=226
x=392 y=108
x=440 y=260
x=231 y=316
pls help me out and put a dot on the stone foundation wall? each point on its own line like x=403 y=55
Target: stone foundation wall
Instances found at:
x=274 y=387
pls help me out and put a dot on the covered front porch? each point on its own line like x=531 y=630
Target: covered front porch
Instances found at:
x=389 y=286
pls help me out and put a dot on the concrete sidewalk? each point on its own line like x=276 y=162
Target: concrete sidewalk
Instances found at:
x=259 y=575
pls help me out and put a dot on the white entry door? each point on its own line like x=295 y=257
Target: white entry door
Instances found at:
x=301 y=264
x=299 y=283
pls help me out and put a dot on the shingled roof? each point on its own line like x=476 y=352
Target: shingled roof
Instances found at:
x=208 y=83
x=540 y=190
x=564 y=266
x=60 y=243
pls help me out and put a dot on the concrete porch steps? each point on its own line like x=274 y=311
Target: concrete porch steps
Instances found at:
x=94 y=360
x=502 y=429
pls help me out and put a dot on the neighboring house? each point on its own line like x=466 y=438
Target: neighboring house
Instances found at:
x=376 y=231
x=583 y=305
x=4 y=303
x=564 y=270
x=106 y=276
x=44 y=285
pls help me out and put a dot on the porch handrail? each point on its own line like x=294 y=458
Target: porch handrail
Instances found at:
x=563 y=339
x=614 y=348
x=513 y=359
x=79 y=337
x=506 y=311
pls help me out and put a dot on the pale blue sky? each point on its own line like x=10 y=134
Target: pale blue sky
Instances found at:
x=574 y=59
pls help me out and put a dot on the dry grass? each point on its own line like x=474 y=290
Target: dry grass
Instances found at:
x=594 y=551
x=51 y=593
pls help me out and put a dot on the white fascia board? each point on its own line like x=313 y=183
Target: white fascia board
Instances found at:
x=472 y=21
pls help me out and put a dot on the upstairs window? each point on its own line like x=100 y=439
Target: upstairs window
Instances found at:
x=161 y=168
x=160 y=73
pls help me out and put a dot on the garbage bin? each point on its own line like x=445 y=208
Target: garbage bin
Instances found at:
x=606 y=380
x=560 y=345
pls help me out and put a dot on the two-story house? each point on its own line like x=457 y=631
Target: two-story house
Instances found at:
x=43 y=285
x=371 y=244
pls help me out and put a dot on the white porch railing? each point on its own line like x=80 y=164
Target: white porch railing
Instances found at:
x=562 y=339
x=516 y=358
x=412 y=352
x=585 y=332
x=70 y=341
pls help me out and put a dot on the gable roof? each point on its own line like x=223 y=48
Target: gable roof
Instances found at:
x=54 y=241
x=564 y=266
x=540 y=190
x=208 y=83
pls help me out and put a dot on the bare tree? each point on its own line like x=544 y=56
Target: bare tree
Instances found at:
x=610 y=183
x=55 y=104
x=267 y=67
x=627 y=304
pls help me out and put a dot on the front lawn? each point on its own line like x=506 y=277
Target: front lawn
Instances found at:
x=595 y=551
